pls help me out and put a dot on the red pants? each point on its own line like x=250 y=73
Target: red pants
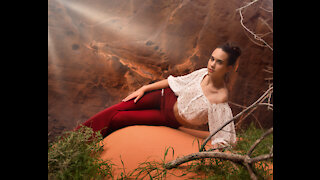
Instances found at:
x=152 y=108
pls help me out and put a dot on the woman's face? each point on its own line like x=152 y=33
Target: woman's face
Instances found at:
x=218 y=63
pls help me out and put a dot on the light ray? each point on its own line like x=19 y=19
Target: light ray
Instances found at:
x=109 y=22
x=54 y=72
x=93 y=15
x=51 y=48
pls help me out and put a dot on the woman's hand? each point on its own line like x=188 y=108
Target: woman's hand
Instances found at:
x=137 y=95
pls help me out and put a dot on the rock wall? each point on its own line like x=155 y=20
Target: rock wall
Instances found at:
x=101 y=50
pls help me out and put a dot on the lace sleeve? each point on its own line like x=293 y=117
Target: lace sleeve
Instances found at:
x=179 y=83
x=218 y=114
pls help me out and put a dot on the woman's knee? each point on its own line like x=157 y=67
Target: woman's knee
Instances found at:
x=117 y=121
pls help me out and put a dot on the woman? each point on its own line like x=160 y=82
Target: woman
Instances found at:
x=191 y=100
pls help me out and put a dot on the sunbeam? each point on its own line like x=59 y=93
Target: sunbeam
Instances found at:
x=52 y=56
x=51 y=49
x=96 y=18
x=118 y=25
x=87 y=12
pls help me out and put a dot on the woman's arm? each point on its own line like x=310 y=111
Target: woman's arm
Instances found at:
x=150 y=87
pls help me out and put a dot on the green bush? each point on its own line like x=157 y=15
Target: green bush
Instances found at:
x=76 y=155
x=249 y=136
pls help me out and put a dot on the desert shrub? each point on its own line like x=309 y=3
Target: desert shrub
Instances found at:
x=76 y=155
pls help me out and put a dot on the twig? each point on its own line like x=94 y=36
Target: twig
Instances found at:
x=259 y=140
x=242 y=119
x=261 y=45
x=269 y=70
x=270 y=11
x=266 y=104
x=249 y=4
x=249 y=113
x=264 y=22
x=233 y=103
x=260 y=158
x=249 y=167
x=251 y=32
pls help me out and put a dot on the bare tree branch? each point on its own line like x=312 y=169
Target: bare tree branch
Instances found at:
x=242 y=119
x=260 y=158
x=200 y=155
x=259 y=140
x=247 y=29
x=237 y=125
x=249 y=4
x=249 y=167
x=264 y=22
x=220 y=155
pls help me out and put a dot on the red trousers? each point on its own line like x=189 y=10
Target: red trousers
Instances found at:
x=153 y=108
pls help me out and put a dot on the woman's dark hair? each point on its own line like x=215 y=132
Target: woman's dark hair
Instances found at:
x=233 y=52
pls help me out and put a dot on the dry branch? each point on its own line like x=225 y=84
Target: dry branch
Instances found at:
x=249 y=167
x=221 y=155
x=237 y=125
x=200 y=155
x=242 y=119
x=259 y=140
x=247 y=29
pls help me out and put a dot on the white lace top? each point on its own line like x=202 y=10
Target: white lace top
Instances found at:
x=194 y=106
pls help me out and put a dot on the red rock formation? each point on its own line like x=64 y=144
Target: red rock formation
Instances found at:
x=99 y=51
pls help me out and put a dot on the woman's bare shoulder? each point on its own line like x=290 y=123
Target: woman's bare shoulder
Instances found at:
x=218 y=97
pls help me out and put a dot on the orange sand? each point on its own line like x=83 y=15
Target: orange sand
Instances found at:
x=138 y=144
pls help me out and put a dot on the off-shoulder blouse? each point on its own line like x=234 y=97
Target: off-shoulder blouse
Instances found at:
x=194 y=106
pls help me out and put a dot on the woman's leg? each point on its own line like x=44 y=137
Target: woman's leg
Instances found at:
x=123 y=119
x=101 y=121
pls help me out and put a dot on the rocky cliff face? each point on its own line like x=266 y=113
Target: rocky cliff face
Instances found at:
x=99 y=51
